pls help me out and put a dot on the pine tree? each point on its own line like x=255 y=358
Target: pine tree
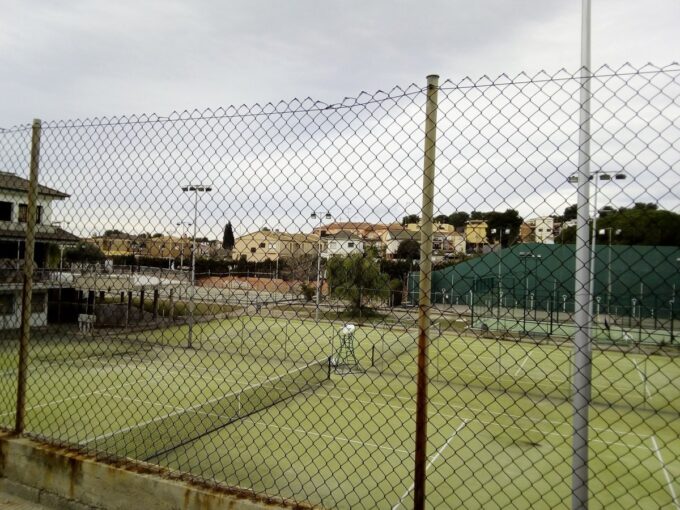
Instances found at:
x=228 y=239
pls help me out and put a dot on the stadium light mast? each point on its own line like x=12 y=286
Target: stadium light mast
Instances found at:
x=609 y=231
x=501 y=231
x=525 y=256
x=195 y=189
x=595 y=177
x=184 y=225
x=315 y=216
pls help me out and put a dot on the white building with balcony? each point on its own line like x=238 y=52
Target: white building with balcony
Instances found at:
x=13 y=218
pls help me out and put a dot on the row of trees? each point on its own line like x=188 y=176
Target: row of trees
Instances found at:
x=642 y=224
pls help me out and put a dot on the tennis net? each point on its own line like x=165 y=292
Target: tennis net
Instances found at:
x=392 y=345
x=156 y=436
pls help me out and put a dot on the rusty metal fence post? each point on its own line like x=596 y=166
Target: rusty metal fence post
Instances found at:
x=425 y=287
x=27 y=292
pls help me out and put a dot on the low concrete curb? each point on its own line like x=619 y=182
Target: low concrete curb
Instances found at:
x=60 y=478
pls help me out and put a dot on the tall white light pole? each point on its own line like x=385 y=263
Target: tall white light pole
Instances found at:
x=582 y=353
x=315 y=216
x=195 y=189
x=184 y=225
x=603 y=231
x=501 y=231
x=525 y=256
x=595 y=177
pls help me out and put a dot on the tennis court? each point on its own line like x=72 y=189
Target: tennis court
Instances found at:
x=480 y=442
x=619 y=330
x=142 y=400
x=253 y=388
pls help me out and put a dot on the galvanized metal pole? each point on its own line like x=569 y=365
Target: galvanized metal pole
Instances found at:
x=582 y=289
x=425 y=288
x=593 y=235
x=318 y=278
x=192 y=301
x=27 y=293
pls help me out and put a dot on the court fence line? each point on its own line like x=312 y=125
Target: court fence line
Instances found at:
x=386 y=286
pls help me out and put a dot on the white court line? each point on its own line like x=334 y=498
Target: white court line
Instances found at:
x=140 y=401
x=75 y=397
x=328 y=436
x=669 y=480
x=494 y=413
x=521 y=367
x=473 y=357
x=297 y=430
x=538 y=384
x=203 y=374
x=193 y=408
x=489 y=422
x=643 y=379
x=430 y=462
x=657 y=451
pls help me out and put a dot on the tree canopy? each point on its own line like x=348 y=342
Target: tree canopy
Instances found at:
x=115 y=232
x=357 y=279
x=84 y=252
x=410 y=218
x=643 y=224
x=408 y=249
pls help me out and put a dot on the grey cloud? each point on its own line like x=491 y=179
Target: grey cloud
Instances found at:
x=89 y=58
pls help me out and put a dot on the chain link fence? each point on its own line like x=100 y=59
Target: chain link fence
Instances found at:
x=366 y=304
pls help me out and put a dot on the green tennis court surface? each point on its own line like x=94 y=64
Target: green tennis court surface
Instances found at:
x=619 y=330
x=479 y=441
x=499 y=413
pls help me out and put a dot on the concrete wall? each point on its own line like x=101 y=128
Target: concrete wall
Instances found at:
x=61 y=479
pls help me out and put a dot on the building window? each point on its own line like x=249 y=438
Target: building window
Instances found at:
x=6 y=211
x=6 y=304
x=350 y=245
x=262 y=245
x=23 y=213
x=253 y=250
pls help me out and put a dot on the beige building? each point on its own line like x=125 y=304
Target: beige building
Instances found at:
x=445 y=240
x=371 y=234
x=437 y=228
x=475 y=232
x=271 y=245
x=526 y=233
x=543 y=229
x=450 y=244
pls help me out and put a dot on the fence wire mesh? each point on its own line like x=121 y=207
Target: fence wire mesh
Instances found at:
x=233 y=294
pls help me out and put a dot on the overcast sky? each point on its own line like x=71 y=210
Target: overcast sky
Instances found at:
x=83 y=58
